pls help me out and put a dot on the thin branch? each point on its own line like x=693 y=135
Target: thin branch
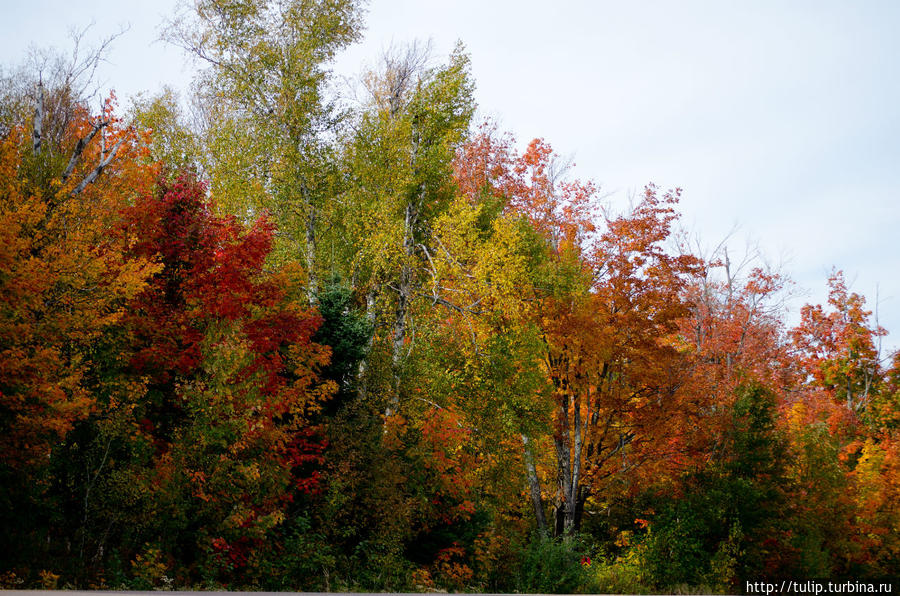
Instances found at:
x=435 y=299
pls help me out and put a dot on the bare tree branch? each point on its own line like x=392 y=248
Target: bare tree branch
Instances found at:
x=79 y=148
x=105 y=160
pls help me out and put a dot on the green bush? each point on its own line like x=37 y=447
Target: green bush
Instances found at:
x=624 y=575
x=554 y=566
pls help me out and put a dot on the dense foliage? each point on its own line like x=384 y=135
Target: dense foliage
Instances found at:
x=301 y=344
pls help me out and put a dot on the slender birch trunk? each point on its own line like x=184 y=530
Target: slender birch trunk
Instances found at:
x=534 y=487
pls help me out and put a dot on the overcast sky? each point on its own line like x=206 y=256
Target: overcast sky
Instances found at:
x=782 y=118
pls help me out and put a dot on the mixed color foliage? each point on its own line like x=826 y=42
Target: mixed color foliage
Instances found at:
x=299 y=344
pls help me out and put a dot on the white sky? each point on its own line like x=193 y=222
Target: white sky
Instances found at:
x=780 y=117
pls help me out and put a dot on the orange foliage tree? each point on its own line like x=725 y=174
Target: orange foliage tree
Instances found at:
x=65 y=267
x=603 y=297
x=839 y=349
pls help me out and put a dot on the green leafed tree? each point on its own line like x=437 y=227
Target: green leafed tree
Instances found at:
x=266 y=117
x=399 y=161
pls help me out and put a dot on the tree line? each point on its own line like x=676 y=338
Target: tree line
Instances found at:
x=276 y=340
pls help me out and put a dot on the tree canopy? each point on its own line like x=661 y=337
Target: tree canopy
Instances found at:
x=297 y=343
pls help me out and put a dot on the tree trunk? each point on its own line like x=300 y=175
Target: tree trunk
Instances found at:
x=572 y=499
x=37 y=131
x=404 y=293
x=371 y=296
x=534 y=487
x=312 y=288
x=568 y=458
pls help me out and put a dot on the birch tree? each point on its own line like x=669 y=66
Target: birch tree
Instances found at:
x=400 y=163
x=267 y=118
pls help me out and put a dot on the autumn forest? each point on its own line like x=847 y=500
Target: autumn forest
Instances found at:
x=264 y=337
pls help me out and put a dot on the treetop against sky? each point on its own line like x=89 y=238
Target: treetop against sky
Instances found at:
x=777 y=119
